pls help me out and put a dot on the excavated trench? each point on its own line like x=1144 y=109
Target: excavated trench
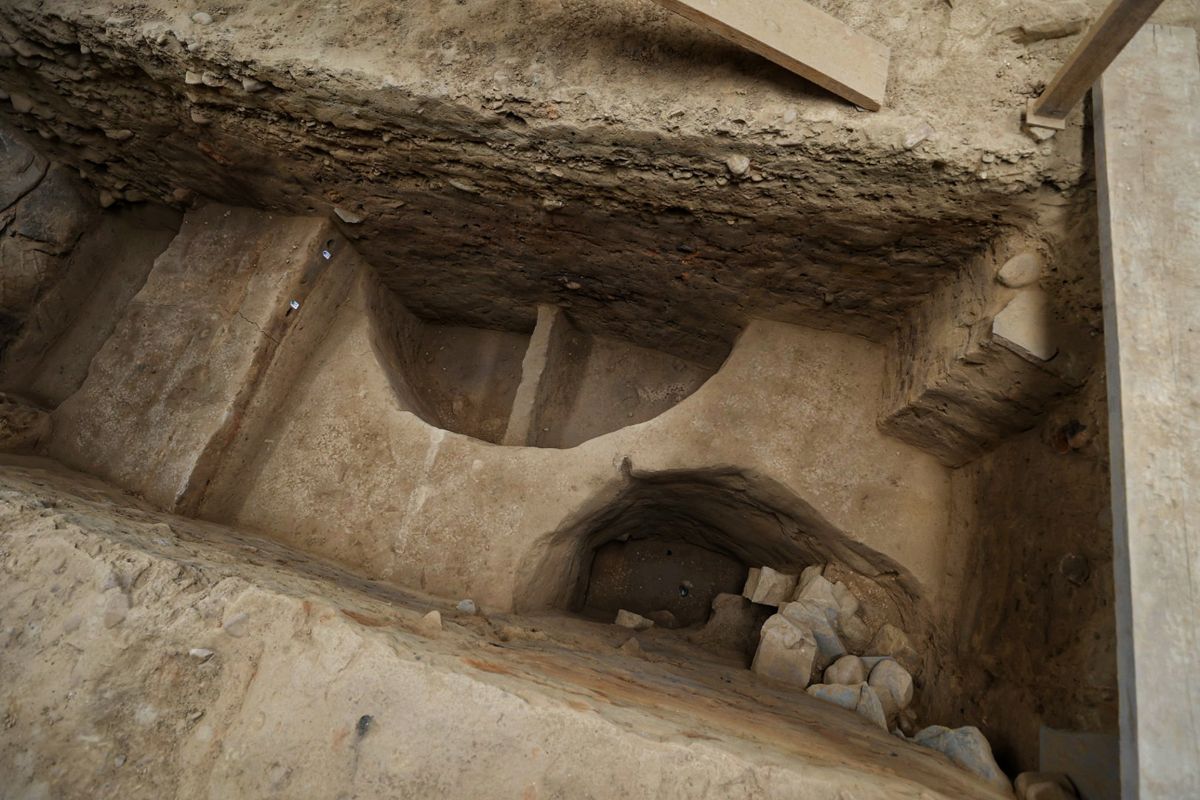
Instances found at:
x=437 y=336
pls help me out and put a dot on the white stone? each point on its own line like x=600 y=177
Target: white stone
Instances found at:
x=1026 y=325
x=202 y=653
x=847 y=671
x=202 y=18
x=968 y=748
x=467 y=606
x=348 y=217
x=893 y=684
x=1021 y=270
x=751 y=582
x=819 y=620
x=820 y=591
x=771 y=588
x=628 y=619
x=737 y=165
x=808 y=573
x=785 y=652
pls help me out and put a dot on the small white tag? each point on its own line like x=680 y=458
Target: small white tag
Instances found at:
x=328 y=255
x=295 y=304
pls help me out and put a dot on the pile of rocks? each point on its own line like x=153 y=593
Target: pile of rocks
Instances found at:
x=816 y=634
x=819 y=641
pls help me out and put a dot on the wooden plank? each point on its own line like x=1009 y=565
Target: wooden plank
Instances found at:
x=1103 y=41
x=1147 y=123
x=801 y=38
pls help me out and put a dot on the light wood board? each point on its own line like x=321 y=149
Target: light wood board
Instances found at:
x=801 y=38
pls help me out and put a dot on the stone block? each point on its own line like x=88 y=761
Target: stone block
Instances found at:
x=847 y=601
x=819 y=591
x=786 y=652
x=893 y=684
x=848 y=670
x=819 y=620
x=844 y=695
x=968 y=748
x=870 y=706
x=891 y=641
x=628 y=619
x=1026 y=326
x=859 y=698
x=807 y=574
x=770 y=588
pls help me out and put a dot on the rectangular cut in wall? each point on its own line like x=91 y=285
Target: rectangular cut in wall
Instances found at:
x=982 y=358
x=168 y=391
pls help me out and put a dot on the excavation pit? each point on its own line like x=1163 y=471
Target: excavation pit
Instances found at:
x=336 y=320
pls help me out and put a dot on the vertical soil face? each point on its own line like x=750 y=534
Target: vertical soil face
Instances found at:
x=660 y=573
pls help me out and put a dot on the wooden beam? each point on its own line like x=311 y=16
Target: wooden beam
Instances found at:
x=1103 y=41
x=1147 y=125
x=801 y=38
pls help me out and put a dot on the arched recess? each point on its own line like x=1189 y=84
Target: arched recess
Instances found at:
x=557 y=386
x=735 y=513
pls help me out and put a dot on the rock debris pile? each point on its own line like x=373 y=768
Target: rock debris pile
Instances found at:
x=819 y=641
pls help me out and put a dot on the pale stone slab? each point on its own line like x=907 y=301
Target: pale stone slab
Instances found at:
x=1148 y=168
x=1026 y=326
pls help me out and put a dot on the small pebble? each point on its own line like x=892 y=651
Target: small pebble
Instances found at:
x=364 y=724
x=119 y=761
x=432 y=622
x=737 y=165
x=467 y=606
x=202 y=653
x=202 y=18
